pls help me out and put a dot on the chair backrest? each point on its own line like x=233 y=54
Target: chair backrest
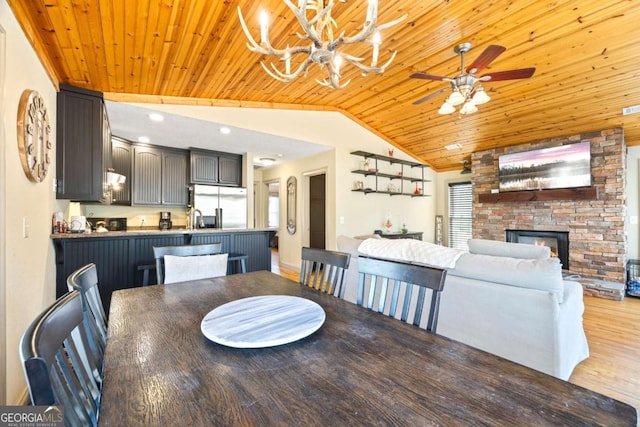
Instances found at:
x=57 y=366
x=386 y=280
x=85 y=281
x=324 y=270
x=183 y=250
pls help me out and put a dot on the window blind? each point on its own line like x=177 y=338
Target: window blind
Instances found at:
x=460 y=206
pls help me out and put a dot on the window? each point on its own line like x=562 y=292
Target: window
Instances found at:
x=460 y=204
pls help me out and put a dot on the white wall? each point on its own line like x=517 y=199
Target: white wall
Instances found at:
x=29 y=271
x=349 y=213
x=633 y=205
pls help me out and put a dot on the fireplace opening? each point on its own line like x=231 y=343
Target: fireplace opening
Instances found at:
x=557 y=241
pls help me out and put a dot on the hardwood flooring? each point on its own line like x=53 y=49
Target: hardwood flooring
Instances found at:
x=613 y=333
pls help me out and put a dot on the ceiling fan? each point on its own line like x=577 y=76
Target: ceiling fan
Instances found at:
x=463 y=86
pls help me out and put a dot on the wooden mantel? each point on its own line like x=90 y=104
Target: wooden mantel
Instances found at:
x=582 y=193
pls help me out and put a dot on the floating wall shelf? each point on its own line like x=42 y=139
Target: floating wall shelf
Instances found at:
x=400 y=175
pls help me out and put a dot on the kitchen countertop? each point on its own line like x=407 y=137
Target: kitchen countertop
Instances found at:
x=146 y=232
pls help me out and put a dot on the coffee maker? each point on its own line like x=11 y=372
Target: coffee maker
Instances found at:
x=165 y=220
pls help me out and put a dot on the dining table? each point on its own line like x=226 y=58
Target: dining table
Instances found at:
x=165 y=366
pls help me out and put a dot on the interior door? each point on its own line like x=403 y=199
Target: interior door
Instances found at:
x=317 y=215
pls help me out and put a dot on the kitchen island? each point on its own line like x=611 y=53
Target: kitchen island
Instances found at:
x=118 y=254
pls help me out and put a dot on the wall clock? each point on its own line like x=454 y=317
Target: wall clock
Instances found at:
x=34 y=136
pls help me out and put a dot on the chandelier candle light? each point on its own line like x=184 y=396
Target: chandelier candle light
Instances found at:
x=324 y=47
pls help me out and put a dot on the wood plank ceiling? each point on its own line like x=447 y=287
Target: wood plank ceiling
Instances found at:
x=585 y=53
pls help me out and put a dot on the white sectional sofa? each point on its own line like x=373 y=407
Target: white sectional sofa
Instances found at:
x=504 y=298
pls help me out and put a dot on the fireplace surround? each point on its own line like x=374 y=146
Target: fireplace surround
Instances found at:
x=557 y=241
x=596 y=225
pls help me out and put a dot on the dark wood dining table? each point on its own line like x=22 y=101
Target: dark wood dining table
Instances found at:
x=359 y=368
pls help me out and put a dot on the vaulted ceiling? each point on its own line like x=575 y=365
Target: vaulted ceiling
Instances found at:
x=586 y=55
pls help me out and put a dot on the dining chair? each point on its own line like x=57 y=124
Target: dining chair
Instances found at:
x=57 y=366
x=85 y=281
x=192 y=266
x=324 y=270
x=388 y=280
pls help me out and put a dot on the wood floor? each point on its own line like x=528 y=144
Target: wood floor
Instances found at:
x=613 y=333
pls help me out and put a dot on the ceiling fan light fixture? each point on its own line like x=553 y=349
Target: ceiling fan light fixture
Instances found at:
x=480 y=96
x=446 y=108
x=456 y=98
x=468 y=108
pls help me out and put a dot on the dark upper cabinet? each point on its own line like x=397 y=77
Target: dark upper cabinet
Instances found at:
x=230 y=170
x=174 y=178
x=204 y=167
x=83 y=145
x=159 y=176
x=212 y=167
x=121 y=157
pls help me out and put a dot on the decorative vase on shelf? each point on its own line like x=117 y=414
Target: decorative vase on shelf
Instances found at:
x=387 y=223
x=390 y=151
x=417 y=190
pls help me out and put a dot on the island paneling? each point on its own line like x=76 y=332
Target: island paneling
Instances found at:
x=117 y=255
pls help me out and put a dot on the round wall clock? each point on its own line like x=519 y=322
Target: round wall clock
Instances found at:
x=34 y=136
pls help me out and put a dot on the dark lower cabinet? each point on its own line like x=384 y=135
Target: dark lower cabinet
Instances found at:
x=117 y=258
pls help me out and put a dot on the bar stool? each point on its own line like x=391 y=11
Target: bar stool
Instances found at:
x=239 y=259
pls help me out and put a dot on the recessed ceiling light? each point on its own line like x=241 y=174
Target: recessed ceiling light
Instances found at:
x=455 y=146
x=143 y=139
x=156 y=117
x=267 y=161
x=225 y=130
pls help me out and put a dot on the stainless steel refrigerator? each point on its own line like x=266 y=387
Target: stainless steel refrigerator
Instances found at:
x=227 y=204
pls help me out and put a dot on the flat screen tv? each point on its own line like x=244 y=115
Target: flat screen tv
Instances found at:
x=565 y=166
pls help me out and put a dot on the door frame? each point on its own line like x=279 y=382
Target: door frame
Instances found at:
x=3 y=195
x=306 y=203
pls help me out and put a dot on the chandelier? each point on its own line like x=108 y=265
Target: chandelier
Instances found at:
x=323 y=48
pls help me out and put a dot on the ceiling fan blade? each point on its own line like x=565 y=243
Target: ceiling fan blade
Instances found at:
x=427 y=76
x=428 y=97
x=522 y=73
x=485 y=58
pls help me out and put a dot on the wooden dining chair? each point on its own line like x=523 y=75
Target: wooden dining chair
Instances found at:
x=384 y=281
x=57 y=364
x=191 y=272
x=324 y=270
x=85 y=281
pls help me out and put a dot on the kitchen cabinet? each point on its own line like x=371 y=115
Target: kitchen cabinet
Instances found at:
x=159 y=176
x=174 y=178
x=212 y=167
x=230 y=170
x=83 y=141
x=121 y=153
x=409 y=183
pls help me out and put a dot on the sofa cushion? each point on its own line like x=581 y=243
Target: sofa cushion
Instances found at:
x=507 y=249
x=542 y=274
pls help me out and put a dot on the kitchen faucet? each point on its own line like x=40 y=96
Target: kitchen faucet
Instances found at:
x=192 y=219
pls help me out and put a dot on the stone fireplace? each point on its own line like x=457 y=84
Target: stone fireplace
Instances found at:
x=557 y=241
x=594 y=222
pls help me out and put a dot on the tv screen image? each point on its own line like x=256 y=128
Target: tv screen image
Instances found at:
x=565 y=166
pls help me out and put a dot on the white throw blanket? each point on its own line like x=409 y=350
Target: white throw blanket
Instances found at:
x=411 y=250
